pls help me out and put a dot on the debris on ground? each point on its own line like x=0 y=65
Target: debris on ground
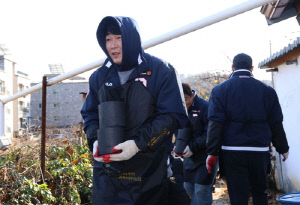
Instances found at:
x=221 y=197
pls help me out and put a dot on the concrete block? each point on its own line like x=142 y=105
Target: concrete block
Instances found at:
x=4 y=142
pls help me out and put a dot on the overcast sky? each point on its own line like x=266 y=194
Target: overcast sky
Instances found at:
x=39 y=33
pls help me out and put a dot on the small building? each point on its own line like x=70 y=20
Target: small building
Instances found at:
x=21 y=105
x=285 y=69
x=64 y=102
x=13 y=81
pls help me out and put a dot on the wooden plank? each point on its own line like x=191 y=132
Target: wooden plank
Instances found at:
x=289 y=56
x=297 y=5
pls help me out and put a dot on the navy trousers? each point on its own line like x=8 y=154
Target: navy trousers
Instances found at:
x=246 y=172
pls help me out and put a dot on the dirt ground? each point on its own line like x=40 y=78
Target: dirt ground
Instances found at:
x=220 y=196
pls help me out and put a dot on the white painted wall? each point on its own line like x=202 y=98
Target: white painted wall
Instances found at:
x=287 y=86
x=25 y=81
x=6 y=75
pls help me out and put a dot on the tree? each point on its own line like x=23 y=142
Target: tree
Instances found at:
x=204 y=82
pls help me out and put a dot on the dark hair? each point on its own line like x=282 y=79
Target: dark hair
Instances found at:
x=187 y=89
x=112 y=29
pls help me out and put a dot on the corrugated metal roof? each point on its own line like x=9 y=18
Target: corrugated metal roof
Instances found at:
x=282 y=52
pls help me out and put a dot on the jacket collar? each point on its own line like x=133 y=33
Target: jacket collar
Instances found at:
x=240 y=72
x=141 y=67
x=193 y=104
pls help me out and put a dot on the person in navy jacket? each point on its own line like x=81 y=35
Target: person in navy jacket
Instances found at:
x=244 y=118
x=198 y=183
x=136 y=170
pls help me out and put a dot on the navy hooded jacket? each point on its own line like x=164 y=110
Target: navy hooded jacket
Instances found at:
x=158 y=76
x=194 y=167
x=199 y=122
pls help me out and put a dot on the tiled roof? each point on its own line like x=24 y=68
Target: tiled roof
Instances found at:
x=282 y=52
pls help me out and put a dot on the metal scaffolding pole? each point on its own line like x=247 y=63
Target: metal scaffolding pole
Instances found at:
x=215 y=18
x=44 y=117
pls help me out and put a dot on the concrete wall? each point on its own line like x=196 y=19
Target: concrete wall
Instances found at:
x=64 y=103
x=287 y=86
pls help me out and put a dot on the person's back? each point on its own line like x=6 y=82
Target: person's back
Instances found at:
x=248 y=105
x=244 y=118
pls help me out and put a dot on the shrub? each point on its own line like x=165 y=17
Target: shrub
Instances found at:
x=68 y=177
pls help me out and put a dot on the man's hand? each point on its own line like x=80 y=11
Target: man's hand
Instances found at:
x=187 y=152
x=179 y=155
x=211 y=160
x=95 y=152
x=285 y=156
x=129 y=149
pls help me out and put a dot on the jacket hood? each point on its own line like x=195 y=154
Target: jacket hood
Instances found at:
x=131 y=41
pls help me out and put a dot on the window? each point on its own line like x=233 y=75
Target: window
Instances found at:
x=23 y=123
x=2 y=86
x=1 y=62
x=8 y=111
x=40 y=118
x=21 y=87
x=55 y=91
x=25 y=109
x=56 y=105
x=56 y=118
x=40 y=105
x=21 y=106
x=8 y=129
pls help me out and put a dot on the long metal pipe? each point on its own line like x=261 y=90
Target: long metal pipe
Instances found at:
x=233 y=11
x=54 y=80
x=215 y=18
x=222 y=15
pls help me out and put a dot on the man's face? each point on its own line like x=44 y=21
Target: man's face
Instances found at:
x=188 y=100
x=114 y=48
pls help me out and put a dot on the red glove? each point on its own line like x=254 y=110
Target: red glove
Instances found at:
x=95 y=152
x=285 y=156
x=121 y=152
x=179 y=155
x=102 y=158
x=187 y=152
x=127 y=150
x=211 y=160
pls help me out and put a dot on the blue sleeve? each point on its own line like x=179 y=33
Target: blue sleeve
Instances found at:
x=171 y=109
x=204 y=115
x=198 y=142
x=170 y=98
x=216 y=110
x=89 y=110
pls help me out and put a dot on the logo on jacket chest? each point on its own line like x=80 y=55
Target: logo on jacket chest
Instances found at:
x=108 y=84
x=195 y=113
x=143 y=80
